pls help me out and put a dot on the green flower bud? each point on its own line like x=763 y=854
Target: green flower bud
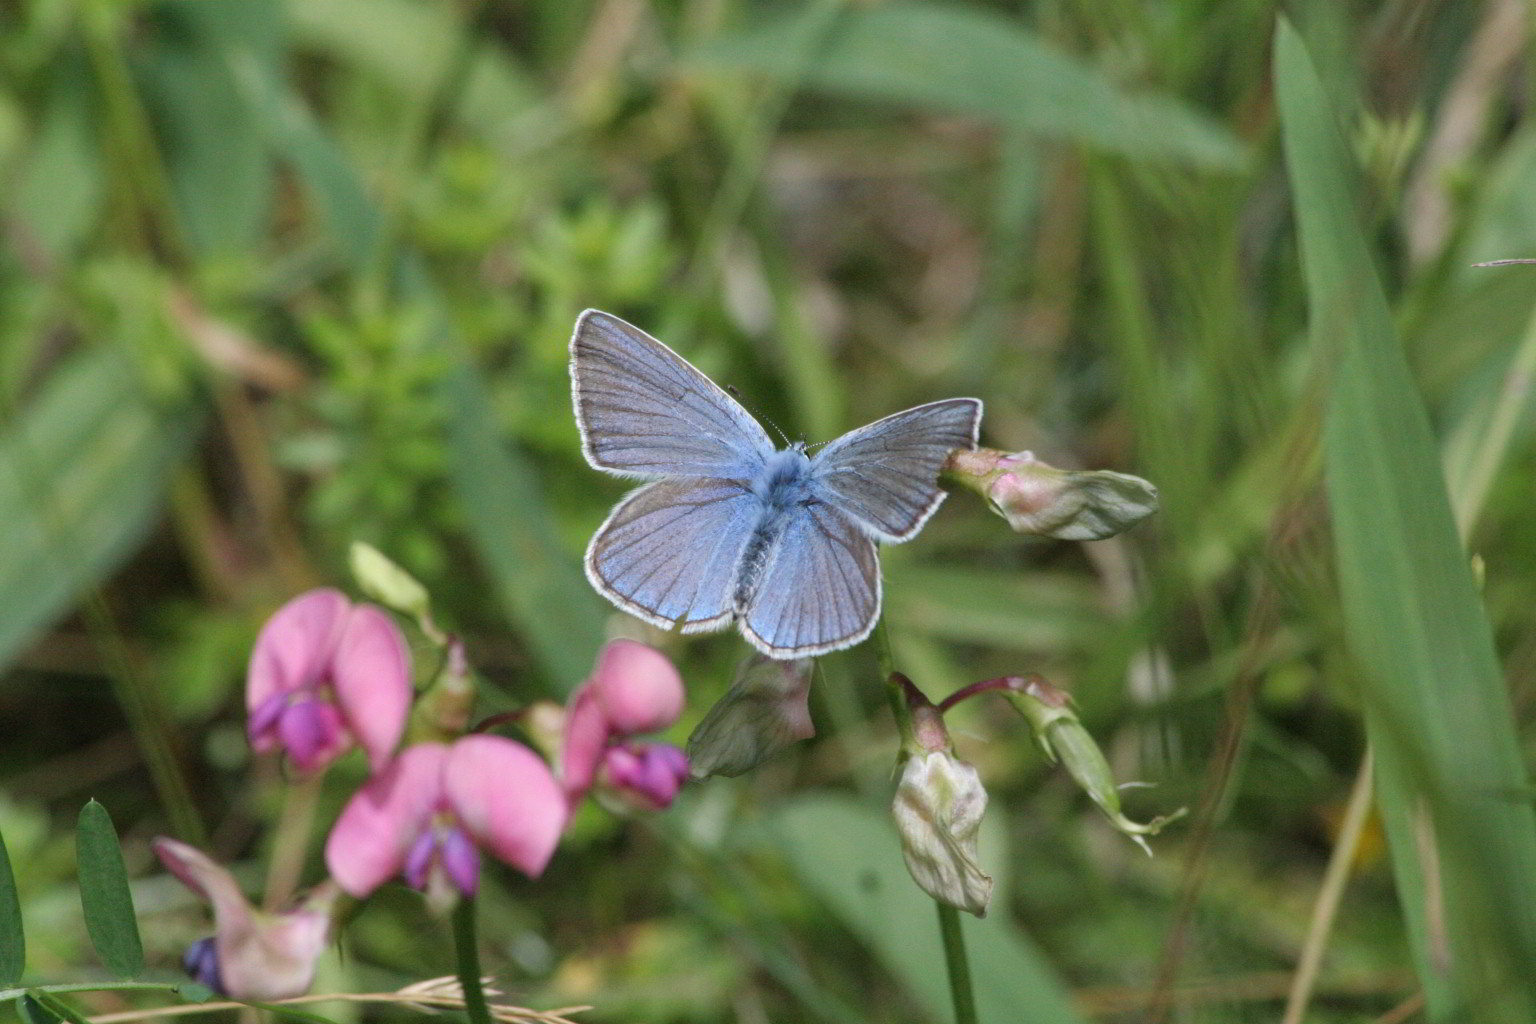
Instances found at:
x=1061 y=734
x=765 y=710
x=387 y=583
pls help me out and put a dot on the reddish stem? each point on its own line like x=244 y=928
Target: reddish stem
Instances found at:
x=1033 y=684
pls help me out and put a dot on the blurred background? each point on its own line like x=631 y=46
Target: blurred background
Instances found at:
x=275 y=277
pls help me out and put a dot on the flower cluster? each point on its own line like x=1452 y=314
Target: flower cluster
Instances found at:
x=327 y=675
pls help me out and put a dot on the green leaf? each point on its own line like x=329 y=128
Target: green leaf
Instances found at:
x=13 y=942
x=1452 y=783
x=58 y=195
x=975 y=62
x=56 y=1008
x=540 y=584
x=83 y=474
x=217 y=157
x=31 y=1011
x=104 y=894
x=847 y=854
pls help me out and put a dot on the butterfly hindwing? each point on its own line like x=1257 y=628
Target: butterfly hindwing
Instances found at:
x=645 y=411
x=819 y=589
x=670 y=550
x=885 y=475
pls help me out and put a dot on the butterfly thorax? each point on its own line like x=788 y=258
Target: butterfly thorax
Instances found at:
x=784 y=480
x=782 y=485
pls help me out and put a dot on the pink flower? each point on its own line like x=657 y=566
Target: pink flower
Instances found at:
x=252 y=955
x=633 y=689
x=425 y=815
x=325 y=672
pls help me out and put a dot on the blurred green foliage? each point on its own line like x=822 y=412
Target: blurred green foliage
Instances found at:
x=275 y=277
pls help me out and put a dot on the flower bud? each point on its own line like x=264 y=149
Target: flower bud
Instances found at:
x=765 y=710
x=938 y=808
x=1040 y=499
x=1061 y=734
x=383 y=580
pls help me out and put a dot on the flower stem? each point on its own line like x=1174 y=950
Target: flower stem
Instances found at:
x=291 y=841
x=955 y=959
x=468 y=957
x=959 y=965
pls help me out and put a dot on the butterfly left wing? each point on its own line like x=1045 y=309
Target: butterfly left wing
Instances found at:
x=669 y=551
x=645 y=411
x=819 y=589
x=885 y=475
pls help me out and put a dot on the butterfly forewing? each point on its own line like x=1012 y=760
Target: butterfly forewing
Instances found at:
x=819 y=589
x=669 y=552
x=885 y=475
x=644 y=411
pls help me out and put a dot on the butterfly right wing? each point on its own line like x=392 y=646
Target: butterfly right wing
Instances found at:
x=645 y=411
x=670 y=551
x=819 y=588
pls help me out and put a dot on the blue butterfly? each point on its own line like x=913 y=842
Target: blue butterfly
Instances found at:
x=731 y=529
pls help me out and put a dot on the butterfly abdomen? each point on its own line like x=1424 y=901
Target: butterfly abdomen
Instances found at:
x=782 y=485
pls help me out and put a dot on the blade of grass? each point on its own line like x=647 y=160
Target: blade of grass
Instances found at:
x=84 y=471
x=508 y=518
x=975 y=62
x=1453 y=789
x=13 y=941
x=104 y=894
x=846 y=853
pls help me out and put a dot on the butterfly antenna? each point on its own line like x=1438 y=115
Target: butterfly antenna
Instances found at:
x=731 y=388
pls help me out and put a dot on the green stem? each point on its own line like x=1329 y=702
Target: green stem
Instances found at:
x=959 y=966
x=468 y=959
x=955 y=959
x=291 y=840
x=7 y=994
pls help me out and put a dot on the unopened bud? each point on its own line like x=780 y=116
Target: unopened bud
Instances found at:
x=938 y=808
x=1040 y=499
x=765 y=710
x=387 y=583
x=445 y=708
x=1064 y=739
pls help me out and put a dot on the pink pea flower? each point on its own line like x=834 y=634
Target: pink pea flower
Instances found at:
x=252 y=954
x=633 y=689
x=325 y=673
x=427 y=813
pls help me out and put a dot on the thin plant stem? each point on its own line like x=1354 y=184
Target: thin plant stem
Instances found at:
x=956 y=962
x=1326 y=909
x=467 y=957
x=960 y=993
x=291 y=841
x=7 y=994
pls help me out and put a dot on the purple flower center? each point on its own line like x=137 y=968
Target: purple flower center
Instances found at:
x=201 y=962
x=448 y=848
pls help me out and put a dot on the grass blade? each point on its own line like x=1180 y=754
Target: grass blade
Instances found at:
x=504 y=505
x=975 y=62
x=104 y=894
x=1453 y=789
x=13 y=941
x=847 y=854
x=83 y=474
